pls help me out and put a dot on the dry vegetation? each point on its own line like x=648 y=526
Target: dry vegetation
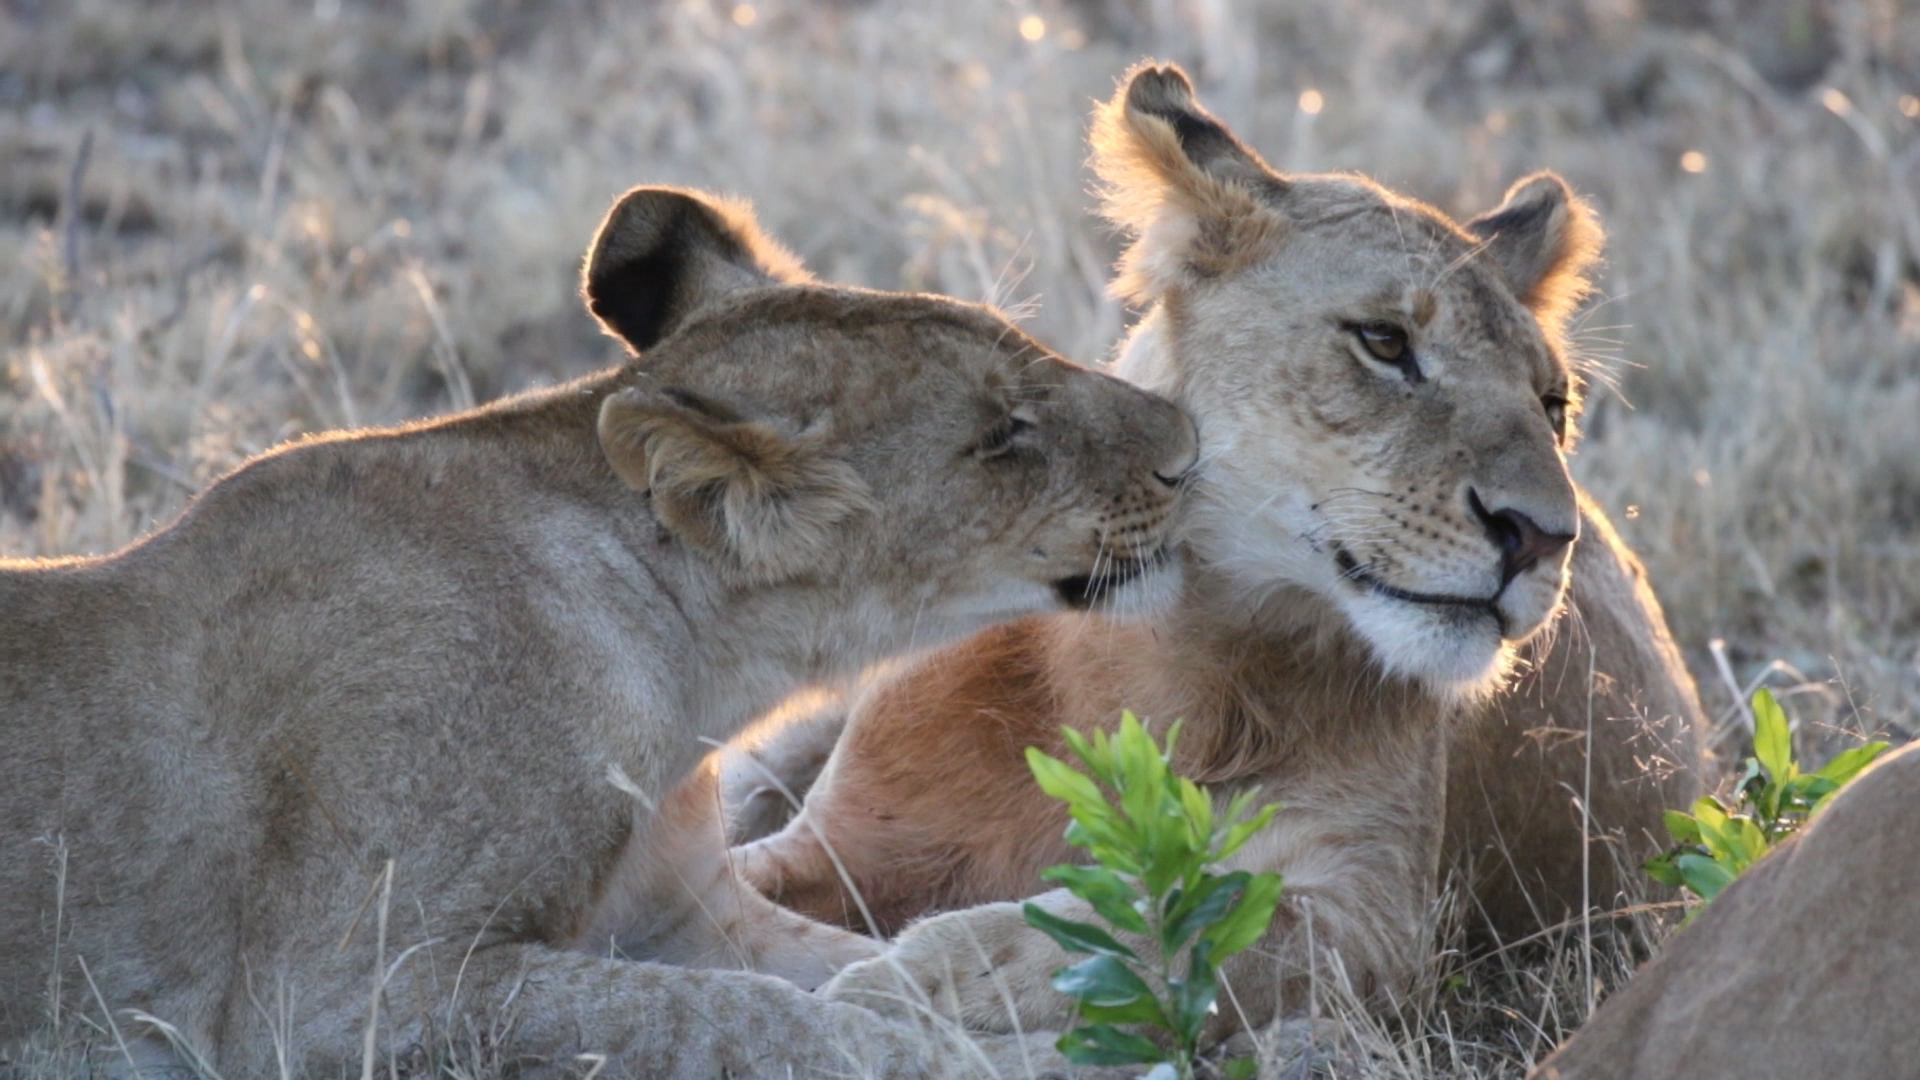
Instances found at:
x=222 y=225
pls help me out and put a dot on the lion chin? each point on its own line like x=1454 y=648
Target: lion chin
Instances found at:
x=1455 y=653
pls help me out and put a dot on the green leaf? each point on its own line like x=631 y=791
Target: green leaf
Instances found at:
x=1069 y=785
x=1075 y=937
x=1201 y=907
x=1102 y=1044
x=1113 y=898
x=1248 y=920
x=1711 y=821
x=1112 y=850
x=1772 y=743
x=1803 y=789
x=1192 y=997
x=1241 y=1068
x=1847 y=764
x=1142 y=1011
x=1745 y=843
x=1682 y=827
x=1197 y=809
x=1090 y=756
x=1661 y=869
x=1708 y=813
x=1703 y=875
x=1241 y=831
x=1847 y=771
x=1105 y=981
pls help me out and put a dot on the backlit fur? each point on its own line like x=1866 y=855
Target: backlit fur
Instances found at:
x=1402 y=736
x=403 y=707
x=1811 y=949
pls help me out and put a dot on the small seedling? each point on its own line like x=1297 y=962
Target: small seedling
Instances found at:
x=1154 y=840
x=1716 y=842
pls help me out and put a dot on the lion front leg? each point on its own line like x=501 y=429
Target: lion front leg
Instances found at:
x=982 y=966
x=677 y=897
x=987 y=969
x=1359 y=868
x=534 y=1011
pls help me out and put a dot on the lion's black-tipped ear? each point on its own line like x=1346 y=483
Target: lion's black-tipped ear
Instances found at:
x=1198 y=202
x=663 y=253
x=1545 y=239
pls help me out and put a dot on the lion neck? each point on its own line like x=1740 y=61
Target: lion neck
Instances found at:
x=726 y=651
x=1260 y=676
x=756 y=647
x=1262 y=687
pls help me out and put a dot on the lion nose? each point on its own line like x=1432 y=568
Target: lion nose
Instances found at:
x=1185 y=455
x=1521 y=540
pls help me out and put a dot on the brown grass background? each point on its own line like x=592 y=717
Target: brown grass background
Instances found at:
x=224 y=224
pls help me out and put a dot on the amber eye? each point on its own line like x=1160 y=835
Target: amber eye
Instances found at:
x=1384 y=340
x=1388 y=344
x=1556 y=407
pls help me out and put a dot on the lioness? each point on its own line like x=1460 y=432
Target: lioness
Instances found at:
x=394 y=706
x=1805 y=966
x=1378 y=535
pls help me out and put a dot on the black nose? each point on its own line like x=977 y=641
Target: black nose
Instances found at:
x=1522 y=542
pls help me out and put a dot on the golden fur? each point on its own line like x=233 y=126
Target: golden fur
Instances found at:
x=1802 y=967
x=402 y=703
x=1357 y=635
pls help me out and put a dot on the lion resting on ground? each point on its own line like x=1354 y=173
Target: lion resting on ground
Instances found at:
x=397 y=704
x=1803 y=967
x=1378 y=534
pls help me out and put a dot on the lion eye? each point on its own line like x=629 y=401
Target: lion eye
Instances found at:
x=1000 y=438
x=1388 y=344
x=1556 y=407
x=1384 y=341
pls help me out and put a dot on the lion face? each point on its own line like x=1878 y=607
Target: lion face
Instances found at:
x=916 y=451
x=1382 y=401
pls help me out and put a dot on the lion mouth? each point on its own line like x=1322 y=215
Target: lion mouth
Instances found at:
x=1082 y=591
x=1351 y=570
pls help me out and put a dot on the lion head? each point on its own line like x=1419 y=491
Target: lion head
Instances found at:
x=911 y=449
x=1383 y=395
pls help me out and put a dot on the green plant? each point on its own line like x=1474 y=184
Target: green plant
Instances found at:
x=1716 y=842
x=1153 y=837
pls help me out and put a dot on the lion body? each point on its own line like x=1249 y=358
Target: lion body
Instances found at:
x=406 y=704
x=1801 y=967
x=1377 y=390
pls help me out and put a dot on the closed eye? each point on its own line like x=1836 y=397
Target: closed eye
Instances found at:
x=1001 y=437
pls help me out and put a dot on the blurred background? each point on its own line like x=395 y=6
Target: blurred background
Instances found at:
x=225 y=224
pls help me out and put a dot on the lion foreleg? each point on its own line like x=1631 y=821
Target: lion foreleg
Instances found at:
x=563 y=1013
x=678 y=897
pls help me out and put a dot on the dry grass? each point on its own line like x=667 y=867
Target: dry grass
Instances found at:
x=225 y=224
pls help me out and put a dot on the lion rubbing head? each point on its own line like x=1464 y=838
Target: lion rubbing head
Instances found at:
x=921 y=451
x=1383 y=395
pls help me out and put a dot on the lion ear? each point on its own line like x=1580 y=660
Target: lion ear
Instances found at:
x=663 y=253
x=1545 y=240
x=1197 y=201
x=765 y=504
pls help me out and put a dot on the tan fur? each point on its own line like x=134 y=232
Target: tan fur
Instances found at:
x=1399 y=733
x=407 y=703
x=1802 y=967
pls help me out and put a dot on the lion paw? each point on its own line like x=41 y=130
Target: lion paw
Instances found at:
x=984 y=967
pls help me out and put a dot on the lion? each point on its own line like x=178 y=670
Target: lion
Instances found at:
x=1804 y=966
x=1377 y=542
x=372 y=740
